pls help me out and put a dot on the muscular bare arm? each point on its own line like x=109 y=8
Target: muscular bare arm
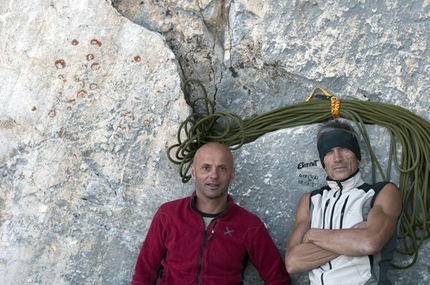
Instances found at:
x=302 y=256
x=309 y=248
x=370 y=236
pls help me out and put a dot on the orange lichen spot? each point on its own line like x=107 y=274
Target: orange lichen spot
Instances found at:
x=69 y=108
x=137 y=58
x=90 y=56
x=75 y=42
x=93 y=86
x=60 y=63
x=82 y=93
x=96 y=42
x=95 y=66
x=147 y=122
x=72 y=101
x=62 y=77
x=63 y=132
x=52 y=113
x=33 y=108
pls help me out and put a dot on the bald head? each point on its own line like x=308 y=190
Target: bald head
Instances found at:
x=214 y=147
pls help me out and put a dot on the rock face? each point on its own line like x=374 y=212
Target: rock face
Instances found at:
x=90 y=102
x=255 y=56
x=91 y=99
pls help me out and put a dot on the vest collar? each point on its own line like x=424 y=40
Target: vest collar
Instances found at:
x=349 y=183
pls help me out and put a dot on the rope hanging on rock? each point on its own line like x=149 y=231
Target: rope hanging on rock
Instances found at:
x=407 y=130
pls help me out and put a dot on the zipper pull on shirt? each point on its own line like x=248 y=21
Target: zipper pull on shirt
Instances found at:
x=340 y=189
x=211 y=235
x=212 y=231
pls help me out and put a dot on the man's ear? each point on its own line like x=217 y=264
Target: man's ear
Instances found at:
x=193 y=172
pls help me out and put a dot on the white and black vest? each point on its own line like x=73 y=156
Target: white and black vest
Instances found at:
x=345 y=204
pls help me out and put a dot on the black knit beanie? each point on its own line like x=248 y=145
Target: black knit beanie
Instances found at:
x=337 y=138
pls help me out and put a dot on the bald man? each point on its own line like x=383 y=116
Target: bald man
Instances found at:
x=206 y=238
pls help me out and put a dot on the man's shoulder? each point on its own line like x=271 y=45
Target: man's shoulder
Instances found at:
x=379 y=185
x=175 y=203
x=386 y=189
x=244 y=213
x=319 y=191
x=376 y=187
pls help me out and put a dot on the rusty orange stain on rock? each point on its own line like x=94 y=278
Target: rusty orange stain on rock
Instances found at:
x=96 y=42
x=60 y=63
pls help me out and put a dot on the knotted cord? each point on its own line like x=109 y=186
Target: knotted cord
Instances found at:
x=407 y=130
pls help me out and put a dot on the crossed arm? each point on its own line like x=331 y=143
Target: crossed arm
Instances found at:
x=309 y=248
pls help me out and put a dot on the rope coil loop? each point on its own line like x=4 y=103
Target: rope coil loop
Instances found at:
x=199 y=129
x=409 y=133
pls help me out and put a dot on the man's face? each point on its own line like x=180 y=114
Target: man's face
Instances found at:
x=340 y=163
x=213 y=171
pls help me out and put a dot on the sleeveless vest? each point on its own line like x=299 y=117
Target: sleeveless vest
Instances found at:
x=345 y=204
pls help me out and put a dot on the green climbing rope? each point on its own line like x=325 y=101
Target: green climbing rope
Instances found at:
x=409 y=133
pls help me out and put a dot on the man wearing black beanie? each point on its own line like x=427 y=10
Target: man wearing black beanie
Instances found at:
x=345 y=232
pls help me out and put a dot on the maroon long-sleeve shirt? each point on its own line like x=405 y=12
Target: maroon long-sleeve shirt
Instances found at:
x=178 y=243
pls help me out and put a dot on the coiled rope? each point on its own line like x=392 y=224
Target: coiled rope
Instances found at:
x=407 y=130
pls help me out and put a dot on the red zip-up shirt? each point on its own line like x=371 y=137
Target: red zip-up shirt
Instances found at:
x=178 y=243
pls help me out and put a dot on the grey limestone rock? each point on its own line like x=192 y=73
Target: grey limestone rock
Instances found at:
x=91 y=99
